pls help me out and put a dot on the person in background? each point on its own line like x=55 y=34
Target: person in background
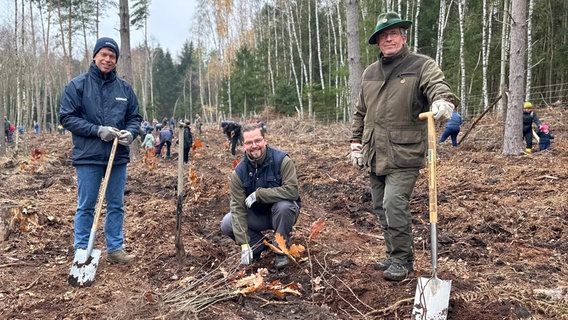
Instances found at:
x=36 y=127
x=7 y=132
x=156 y=135
x=187 y=140
x=264 y=196
x=198 y=123
x=166 y=136
x=529 y=116
x=97 y=107
x=388 y=139
x=262 y=126
x=545 y=137
x=233 y=132
x=452 y=129
x=148 y=143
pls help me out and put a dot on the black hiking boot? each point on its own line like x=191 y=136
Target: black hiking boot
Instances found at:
x=281 y=261
x=386 y=263
x=396 y=272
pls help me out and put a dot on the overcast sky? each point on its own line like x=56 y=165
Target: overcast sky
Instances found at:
x=169 y=24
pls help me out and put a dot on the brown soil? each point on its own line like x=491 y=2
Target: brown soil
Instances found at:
x=503 y=234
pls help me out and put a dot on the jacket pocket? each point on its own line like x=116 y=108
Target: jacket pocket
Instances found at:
x=368 y=146
x=408 y=148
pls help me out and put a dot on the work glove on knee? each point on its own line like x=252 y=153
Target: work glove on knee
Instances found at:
x=251 y=199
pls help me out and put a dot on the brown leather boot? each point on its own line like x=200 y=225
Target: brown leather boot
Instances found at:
x=119 y=257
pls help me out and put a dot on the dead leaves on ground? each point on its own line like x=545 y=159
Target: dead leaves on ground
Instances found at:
x=293 y=252
x=317 y=228
x=256 y=283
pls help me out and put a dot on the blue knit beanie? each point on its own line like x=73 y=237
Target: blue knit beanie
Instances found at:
x=106 y=42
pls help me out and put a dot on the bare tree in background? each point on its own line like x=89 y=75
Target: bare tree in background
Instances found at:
x=125 y=56
x=529 y=51
x=512 y=142
x=353 y=52
x=461 y=17
x=486 y=48
x=505 y=40
x=140 y=15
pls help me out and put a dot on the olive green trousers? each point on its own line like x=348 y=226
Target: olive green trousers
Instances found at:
x=391 y=203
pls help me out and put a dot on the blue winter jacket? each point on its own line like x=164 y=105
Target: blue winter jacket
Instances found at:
x=89 y=101
x=455 y=121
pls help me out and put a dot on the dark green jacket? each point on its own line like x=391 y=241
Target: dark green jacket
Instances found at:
x=394 y=91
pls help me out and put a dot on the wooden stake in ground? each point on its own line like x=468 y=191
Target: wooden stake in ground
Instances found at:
x=180 y=251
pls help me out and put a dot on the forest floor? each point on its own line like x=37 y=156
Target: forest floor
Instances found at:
x=502 y=231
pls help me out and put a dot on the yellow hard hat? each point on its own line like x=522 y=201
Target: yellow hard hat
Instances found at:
x=527 y=105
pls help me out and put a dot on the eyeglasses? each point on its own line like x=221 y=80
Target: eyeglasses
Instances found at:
x=392 y=34
x=255 y=141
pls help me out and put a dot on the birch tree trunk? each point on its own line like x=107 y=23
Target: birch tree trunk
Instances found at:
x=486 y=49
x=353 y=52
x=310 y=74
x=512 y=143
x=529 y=51
x=45 y=30
x=461 y=17
x=441 y=27
x=297 y=81
x=320 y=63
x=415 y=28
x=19 y=76
x=504 y=56
x=66 y=54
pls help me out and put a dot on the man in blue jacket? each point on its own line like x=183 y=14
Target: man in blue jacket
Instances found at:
x=96 y=107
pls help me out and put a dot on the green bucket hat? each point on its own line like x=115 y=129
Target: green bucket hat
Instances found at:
x=387 y=20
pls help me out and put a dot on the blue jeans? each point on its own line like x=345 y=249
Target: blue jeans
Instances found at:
x=450 y=132
x=89 y=179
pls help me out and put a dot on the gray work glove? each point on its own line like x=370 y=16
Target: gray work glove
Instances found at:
x=246 y=254
x=107 y=133
x=356 y=155
x=124 y=137
x=251 y=199
x=442 y=108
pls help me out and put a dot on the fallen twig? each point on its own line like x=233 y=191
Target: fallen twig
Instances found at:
x=390 y=308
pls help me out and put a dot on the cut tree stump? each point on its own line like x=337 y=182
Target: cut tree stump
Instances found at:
x=10 y=220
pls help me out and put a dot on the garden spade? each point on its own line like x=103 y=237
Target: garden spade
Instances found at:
x=432 y=294
x=86 y=261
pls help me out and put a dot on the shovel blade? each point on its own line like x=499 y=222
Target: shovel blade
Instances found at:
x=431 y=299
x=84 y=268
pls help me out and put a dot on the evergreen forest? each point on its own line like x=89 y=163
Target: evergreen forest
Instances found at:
x=242 y=57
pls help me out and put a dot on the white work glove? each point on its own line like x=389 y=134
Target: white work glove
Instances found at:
x=246 y=254
x=442 y=108
x=124 y=137
x=356 y=155
x=251 y=199
x=107 y=133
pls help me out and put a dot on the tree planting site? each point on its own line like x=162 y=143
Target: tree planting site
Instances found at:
x=502 y=233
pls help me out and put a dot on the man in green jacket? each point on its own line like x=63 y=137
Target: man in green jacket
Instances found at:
x=264 y=196
x=389 y=140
